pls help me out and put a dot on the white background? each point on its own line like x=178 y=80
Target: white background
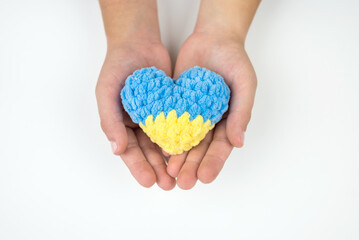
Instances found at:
x=296 y=178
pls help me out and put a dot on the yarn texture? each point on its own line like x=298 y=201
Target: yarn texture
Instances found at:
x=175 y=114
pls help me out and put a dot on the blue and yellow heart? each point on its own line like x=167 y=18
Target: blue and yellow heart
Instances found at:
x=175 y=114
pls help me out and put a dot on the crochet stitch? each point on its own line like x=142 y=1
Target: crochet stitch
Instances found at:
x=175 y=114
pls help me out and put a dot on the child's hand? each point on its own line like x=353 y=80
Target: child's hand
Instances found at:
x=133 y=43
x=218 y=47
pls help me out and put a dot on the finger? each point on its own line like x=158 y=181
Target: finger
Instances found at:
x=242 y=99
x=154 y=157
x=175 y=163
x=136 y=162
x=108 y=101
x=184 y=62
x=216 y=155
x=187 y=177
x=166 y=154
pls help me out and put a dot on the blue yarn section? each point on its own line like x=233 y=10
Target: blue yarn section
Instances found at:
x=198 y=91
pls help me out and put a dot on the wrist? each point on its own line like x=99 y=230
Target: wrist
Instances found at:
x=230 y=18
x=133 y=38
x=130 y=21
x=216 y=30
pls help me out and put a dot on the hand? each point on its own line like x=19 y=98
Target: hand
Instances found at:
x=224 y=54
x=134 y=47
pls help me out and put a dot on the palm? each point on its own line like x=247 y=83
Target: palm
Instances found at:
x=228 y=58
x=142 y=157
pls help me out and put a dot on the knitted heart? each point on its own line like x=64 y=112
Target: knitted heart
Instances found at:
x=175 y=114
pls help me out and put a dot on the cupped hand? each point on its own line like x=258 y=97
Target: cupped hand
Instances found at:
x=143 y=158
x=224 y=54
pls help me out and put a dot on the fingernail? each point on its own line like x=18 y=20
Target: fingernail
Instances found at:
x=114 y=146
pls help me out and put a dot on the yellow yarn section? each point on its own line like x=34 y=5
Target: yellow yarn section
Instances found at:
x=176 y=135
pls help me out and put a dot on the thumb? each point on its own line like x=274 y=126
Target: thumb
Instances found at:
x=241 y=104
x=108 y=101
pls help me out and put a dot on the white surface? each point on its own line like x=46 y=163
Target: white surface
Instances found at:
x=296 y=178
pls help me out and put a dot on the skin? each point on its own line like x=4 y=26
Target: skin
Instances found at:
x=217 y=43
x=133 y=41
